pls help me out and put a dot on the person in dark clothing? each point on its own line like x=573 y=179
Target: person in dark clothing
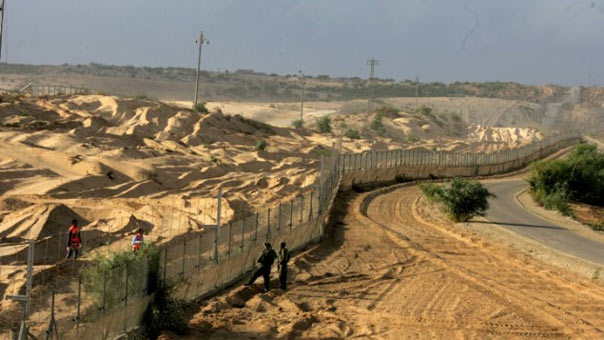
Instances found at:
x=282 y=265
x=266 y=261
x=74 y=240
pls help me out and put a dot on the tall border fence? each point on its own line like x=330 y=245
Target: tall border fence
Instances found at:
x=203 y=262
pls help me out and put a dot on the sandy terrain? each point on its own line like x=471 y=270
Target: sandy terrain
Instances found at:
x=390 y=268
x=446 y=128
x=120 y=164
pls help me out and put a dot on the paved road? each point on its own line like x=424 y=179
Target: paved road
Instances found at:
x=506 y=212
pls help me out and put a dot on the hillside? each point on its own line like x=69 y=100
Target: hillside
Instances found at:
x=175 y=83
x=270 y=97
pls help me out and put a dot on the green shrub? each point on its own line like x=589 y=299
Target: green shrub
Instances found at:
x=377 y=125
x=352 y=134
x=462 y=200
x=555 y=200
x=201 y=108
x=298 y=123
x=143 y=96
x=580 y=177
x=324 y=125
x=424 y=110
x=165 y=313
x=597 y=226
x=412 y=138
x=388 y=111
x=325 y=152
x=105 y=279
x=261 y=145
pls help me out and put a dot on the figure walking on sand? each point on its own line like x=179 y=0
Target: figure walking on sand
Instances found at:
x=74 y=240
x=266 y=261
x=282 y=265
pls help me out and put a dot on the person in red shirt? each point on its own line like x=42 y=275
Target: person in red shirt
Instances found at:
x=74 y=240
x=137 y=240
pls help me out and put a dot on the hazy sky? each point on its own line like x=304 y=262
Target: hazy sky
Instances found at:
x=529 y=41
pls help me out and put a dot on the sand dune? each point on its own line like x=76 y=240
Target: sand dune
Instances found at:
x=119 y=164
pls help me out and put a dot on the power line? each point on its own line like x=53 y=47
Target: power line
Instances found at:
x=372 y=63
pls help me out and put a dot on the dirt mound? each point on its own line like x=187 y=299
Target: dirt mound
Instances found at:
x=38 y=221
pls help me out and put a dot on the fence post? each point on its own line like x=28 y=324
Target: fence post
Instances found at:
x=184 y=258
x=77 y=320
x=126 y=298
x=242 y=234
x=165 y=261
x=291 y=214
x=321 y=170
x=301 y=209
x=334 y=160
x=400 y=157
x=279 y=218
x=256 y=227
x=217 y=224
x=199 y=252
x=373 y=155
x=103 y=308
x=310 y=212
x=268 y=225
x=126 y=285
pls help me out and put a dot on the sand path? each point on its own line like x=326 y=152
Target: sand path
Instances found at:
x=390 y=270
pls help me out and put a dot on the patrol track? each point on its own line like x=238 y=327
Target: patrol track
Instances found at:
x=390 y=268
x=511 y=295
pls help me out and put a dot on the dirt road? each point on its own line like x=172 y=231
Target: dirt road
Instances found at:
x=391 y=268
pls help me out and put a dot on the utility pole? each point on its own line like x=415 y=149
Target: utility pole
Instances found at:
x=302 y=96
x=371 y=62
x=416 y=92
x=1 y=25
x=200 y=41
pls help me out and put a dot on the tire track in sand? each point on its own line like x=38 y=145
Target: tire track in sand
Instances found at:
x=534 y=305
x=385 y=271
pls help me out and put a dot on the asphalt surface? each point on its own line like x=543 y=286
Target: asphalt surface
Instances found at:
x=507 y=212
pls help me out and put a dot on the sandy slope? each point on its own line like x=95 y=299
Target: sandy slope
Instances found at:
x=117 y=164
x=388 y=270
x=484 y=133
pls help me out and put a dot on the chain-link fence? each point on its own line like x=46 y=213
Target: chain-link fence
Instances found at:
x=53 y=90
x=113 y=300
x=380 y=166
